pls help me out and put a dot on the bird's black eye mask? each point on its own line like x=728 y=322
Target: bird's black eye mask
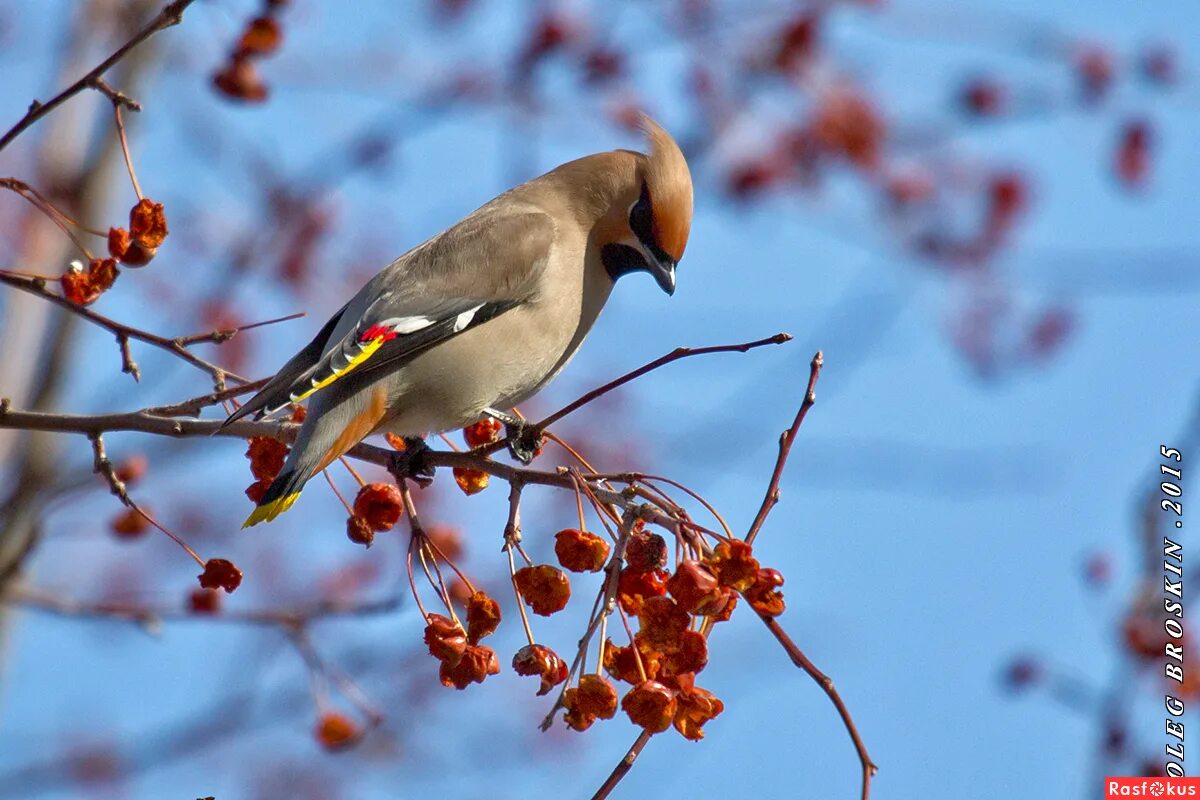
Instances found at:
x=641 y=218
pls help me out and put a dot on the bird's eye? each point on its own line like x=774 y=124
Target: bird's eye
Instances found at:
x=641 y=216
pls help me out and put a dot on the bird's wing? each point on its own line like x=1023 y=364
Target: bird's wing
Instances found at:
x=486 y=265
x=275 y=395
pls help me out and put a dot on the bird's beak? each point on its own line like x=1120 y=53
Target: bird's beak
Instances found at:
x=663 y=272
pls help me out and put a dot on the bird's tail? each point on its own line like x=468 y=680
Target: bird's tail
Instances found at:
x=334 y=425
x=279 y=496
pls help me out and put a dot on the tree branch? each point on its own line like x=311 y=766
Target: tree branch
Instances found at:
x=171 y=14
x=123 y=332
x=785 y=448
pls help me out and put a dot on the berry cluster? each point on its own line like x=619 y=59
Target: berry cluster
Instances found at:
x=262 y=36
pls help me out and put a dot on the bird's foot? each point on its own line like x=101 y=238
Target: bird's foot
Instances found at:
x=410 y=463
x=524 y=441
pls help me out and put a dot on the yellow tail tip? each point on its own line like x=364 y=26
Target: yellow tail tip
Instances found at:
x=269 y=511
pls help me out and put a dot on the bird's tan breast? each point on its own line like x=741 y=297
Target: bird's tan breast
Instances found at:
x=508 y=359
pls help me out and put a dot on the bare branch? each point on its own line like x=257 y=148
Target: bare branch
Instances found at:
x=37 y=287
x=785 y=447
x=171 y=14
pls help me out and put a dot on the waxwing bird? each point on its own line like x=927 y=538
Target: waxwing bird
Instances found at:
x=482 y=316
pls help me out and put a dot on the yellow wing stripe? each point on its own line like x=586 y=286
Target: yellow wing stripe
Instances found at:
x=270 y=511
x=368 y=350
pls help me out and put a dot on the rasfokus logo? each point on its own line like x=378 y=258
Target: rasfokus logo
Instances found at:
x=1151 y=787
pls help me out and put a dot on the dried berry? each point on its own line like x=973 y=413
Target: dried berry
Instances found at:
x=663 y=624
x=239 y=80
x=622 y=663
x=130 y=524
x=258 y=489
x=220 y=573
x=696 y=588
x=471 y=481
x=84 y=287
x=266 y=454
x=650 y=706
x=118 y=243
x=645 y=552
x=335 y=731
x=580 y=551
x=594 y=698
x=483 y=616
x=634 y=587
x=132 y=469
x=692 y=655
x=541 y=661
x=484 y=432
x=446 y=540
x=359 y=531
x=261 y=37
x=148 y=224
x=476 y=664
x=764 y=595
x=204 y=601
x=545 y=588
x=380 y=505
x=446 y=639
x=693 y=708
x=734 y=564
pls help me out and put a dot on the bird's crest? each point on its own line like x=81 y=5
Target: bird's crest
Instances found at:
x=670 y=185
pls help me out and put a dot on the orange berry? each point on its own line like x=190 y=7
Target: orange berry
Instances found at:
x=484 y=432
x=663 y=624
x=594 y=698
x=446 y=639
x=148 y=223
x=693 y=708
x=118 y=242
x=204 y=601
x=646 y=552
x=220 y=573
x=692 y=655
x=695 y=587
x=539 y=660
x=764 y=595
x=261 y=37
x=545 y=588
x=634 y=587
x=650 y=706
x=266 y=454
x=129 y=524
x=359 y=531
x=471 y=481
x=476 y=664
x=734 y=564
x=132 y=469
x=580 y=551
x=336 y=731
x=483 y=616
x=380 y=505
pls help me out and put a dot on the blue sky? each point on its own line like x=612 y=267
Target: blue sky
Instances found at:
x=933 y=522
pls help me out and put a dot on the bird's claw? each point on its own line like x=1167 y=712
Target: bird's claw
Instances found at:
x=410 y=463
x=524 y=441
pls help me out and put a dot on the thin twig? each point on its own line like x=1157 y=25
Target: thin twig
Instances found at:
x=171 y=14
x=38 y=288
x=785 y=447
x=675 y=355
x=826 y=683
x=623 y=766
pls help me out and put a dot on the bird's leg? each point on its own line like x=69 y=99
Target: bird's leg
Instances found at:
x=523 y=439
x=410 y=462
